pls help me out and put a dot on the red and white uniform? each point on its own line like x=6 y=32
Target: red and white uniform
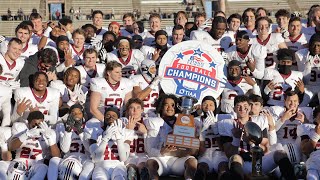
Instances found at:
x=77 y=55
x=148 y=38
x=63 y=89
x=48 y=104
x=310 y=67
x=111 y=95
x=231 y=90
x=255 y=52
x=109 y=164
x=287 y=131
x=297 y=43
x=5 y=104
x=158 y=130
x=312 y=164
x=138 y=154
x=283 y=83
x=221 y=44
x=86 y=76
x=272 y=46
x=149 y=106
x=134 y=59
x=28 y=50
x=10 y=72
x=225 y=131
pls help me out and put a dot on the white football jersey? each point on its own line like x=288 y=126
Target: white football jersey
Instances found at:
x=86 y=76
x=28 y=50
x=134 y=59
x=64 y=93
x=272 y=46
x=48 y=104
x=149 y=101
x=225 y=129
x=93 y=130
x=310 y=66
x=296 y=43
x=77 y=56
x=287 y=133
x=111 y=95
x=5 y=104
x=147 y=51
x=148 y=38
x=208 y=136
x=230 y=91
x=221 y=44
x=283 y=83
x=307 y=130
x=71 y=143
x=10 y=72
x=33 y=149
x=256 y=52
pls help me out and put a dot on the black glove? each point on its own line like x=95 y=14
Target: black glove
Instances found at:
x=78 y=126
x=70 y=123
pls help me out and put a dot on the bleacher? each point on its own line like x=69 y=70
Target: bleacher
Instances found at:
x=238 y=6
x=14 y=5
x=119 y=6
x=306 y=4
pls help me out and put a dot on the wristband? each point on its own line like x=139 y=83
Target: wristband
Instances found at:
x=236 y=142
x=314 y=136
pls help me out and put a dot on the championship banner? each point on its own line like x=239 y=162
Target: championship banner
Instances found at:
x=193 y=68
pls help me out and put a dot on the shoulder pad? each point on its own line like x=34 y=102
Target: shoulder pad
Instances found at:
x=18 y=128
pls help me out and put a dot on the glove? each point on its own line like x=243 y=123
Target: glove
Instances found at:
x=119 y=129
x=3 y=144
x=48 y=133
x=210 y=120
x=96 y=43
x=2 y=38
x=78 y=126
x=31 y=133
x=109 y=132
x=14 y=84
x=82 y=97
x=155 y=82
x=73 y=95
x=103 y=55
x=70 y=123
x=285 y=33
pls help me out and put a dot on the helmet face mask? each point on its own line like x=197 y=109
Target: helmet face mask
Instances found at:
x=69 y=169
x=148 y=69
x=18 y=170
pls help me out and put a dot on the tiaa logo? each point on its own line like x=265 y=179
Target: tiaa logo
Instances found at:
x=193 y=68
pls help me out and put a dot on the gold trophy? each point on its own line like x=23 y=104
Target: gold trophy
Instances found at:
x=184 y=130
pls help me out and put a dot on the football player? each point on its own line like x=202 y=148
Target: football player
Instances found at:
x=37 y=97
x=75 y=148
x=78 y=47
x=97 y=21
x=296 y=40
x=109 y=142
x=146 y=86
x=5 y=103
x=162 y=160
x=155 y=26
x=112 y=90
x=34 y=142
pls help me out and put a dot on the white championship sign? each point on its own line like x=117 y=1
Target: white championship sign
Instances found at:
x=193 y=68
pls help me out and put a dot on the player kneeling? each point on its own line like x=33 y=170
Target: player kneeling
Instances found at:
x=34 y=142
x=74 y=147
x=109 y=145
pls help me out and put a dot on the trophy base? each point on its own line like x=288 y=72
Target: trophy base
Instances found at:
x=183 y=141
x=255 y=177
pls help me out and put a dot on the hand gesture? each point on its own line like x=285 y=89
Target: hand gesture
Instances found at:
x=131 y=123
x=237 y=130
x=288 y=114
x=51 y=76
x=34 y=132
x=267 y=114
x=109 y=133
x=70 y=123
x=119 y=131
x=251 y=63
x=48 y=133
x=210 y=120
x=271 y=85
x=82 y=96
x=142 y=128
x=299 y=85
x=78 y=126
x=300 y=116
x=23 y=106
x=97 y=43
x=33 y=108
x=317 y=129
x=68 y=58
x=249 y=80
x=103 y=55
x=156 y=54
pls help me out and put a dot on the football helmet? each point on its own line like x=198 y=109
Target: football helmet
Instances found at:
x=18 y=170
x=69 y=169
